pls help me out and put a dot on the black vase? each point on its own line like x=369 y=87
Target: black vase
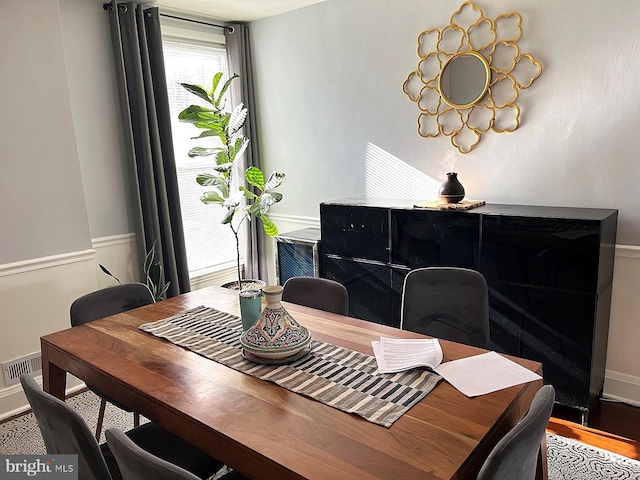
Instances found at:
x=451 y=190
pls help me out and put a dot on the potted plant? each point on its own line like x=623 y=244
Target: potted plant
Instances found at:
x=246 y=201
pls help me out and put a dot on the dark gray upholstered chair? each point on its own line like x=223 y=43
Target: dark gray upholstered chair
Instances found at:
x=320 y=293
x=447 y=302
x=515 y=455
x=138 y=464
x=102 y=303
x=65 y=432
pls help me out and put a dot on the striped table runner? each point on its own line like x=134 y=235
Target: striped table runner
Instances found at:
x=336 y=376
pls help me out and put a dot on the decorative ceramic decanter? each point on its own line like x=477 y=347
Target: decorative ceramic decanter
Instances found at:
x=451 y=190
x=276 y=334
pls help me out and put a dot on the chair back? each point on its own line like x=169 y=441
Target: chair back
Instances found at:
x=447 y=302
x=65 y=432
x=516 y=454
x=138 y=464
x=109 y=301
x=319 y=293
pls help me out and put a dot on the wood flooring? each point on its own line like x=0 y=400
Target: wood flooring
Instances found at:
x=611 y=426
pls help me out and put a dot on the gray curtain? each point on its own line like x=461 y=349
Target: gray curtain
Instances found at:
x=138 y=56
x=239 y=58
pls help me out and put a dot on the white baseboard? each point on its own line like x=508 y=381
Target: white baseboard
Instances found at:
x=15 y=396
x=622 y=387
x=627 y=251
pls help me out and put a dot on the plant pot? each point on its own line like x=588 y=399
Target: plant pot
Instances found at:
x=248 y=284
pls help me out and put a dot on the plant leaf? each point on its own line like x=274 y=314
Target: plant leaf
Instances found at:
x=275 y=180
x=222 y=158
x=267 y=200
x=198 y=91
x=255 y=177
x=227 y=84
x=214 y=126
x=148 y=261
x=212 y=180
x=276 y=196
x=248 y=193
x=269 y=227
x=209 y=133
x=211 y=196
x=255 y=209
x=223 y=168
x=201 y=152
x=239 y=147
x=164 y=290
x=214 y=83
x=228 y=216
x=198 y=112
x=234 y=199
x=237 y=119
x=104 y=269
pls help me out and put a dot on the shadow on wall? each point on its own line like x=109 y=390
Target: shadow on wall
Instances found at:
x=387 y=176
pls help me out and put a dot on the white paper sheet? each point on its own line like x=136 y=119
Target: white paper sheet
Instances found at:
x=484 y=373
x=398 y=354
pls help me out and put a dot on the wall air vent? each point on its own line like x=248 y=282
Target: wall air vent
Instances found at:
x=31 y=364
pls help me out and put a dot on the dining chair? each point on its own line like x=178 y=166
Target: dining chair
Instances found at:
x=319 y=293
x=138 y=464
x=66 y=433
x=451 y=303
x=102 y=303
x=516 y=454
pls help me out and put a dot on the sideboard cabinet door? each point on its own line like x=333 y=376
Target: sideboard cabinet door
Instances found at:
x=424 y=238
x=368 y=285
x=546 y=252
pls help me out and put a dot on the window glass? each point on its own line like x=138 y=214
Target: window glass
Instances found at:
x=210 y=244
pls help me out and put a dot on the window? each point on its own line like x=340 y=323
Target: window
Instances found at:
x=211 y=249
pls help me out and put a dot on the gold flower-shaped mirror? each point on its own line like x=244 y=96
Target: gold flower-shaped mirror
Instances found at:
x=469 y=77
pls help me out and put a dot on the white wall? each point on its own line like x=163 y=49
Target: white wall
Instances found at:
x=333 y=117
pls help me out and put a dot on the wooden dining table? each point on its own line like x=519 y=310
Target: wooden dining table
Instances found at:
x=265 y=431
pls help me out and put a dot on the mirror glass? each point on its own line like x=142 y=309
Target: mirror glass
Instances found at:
x=464 y=79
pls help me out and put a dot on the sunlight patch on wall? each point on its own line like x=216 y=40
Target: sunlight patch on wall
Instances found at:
x=387 y=176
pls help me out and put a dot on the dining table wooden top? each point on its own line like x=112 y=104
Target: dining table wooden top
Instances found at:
x=267 y=432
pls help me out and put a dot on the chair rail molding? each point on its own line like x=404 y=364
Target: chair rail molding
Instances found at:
x=112 y=240
x=297 y=220
x=51 y=261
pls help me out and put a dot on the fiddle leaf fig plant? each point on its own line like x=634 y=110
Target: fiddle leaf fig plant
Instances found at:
x=254 y=196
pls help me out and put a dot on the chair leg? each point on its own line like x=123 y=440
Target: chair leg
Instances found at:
x=103 y=405
x=136 y=419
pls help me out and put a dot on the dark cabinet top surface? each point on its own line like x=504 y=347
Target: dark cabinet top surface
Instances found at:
x=578 y=213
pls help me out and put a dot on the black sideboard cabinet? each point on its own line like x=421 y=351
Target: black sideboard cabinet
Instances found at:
x=549 y=272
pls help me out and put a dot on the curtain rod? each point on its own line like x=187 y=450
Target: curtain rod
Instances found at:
x=230 y=28
x=107 y=6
